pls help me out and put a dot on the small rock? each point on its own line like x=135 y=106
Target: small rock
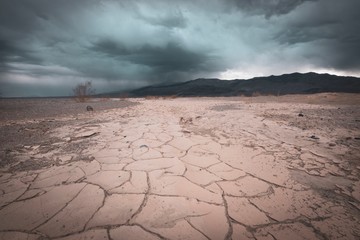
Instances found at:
x=186 y=121
x=352 y=177
x=89 y=108
x=301 y=115
x=314 y=137
x=85 y=134
x=314 y=173
x=64 y=159
x=355 y=204
x=35 y=147
x=332 y=144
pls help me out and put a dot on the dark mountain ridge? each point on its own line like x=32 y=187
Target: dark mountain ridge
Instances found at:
x=295 y=83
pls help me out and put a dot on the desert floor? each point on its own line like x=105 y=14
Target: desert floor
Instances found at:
x=187 y=168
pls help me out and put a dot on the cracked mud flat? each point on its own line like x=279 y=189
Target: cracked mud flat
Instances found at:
x=192 y=168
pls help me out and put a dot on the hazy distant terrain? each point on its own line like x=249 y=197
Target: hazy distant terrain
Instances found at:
x=295 y=83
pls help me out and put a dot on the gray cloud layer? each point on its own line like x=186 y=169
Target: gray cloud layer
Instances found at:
x=267 y=7
x=46 y=47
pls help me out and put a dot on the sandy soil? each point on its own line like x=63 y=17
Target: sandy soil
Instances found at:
x=190 y=168
x=53 y=108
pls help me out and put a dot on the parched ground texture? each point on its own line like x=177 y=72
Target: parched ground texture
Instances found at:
x=188 y=168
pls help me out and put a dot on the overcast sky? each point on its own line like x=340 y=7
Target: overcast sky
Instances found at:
x=48 y=46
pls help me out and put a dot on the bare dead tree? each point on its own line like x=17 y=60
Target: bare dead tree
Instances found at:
x=83 y=91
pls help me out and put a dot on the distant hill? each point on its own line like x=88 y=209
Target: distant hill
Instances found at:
x=295 y=83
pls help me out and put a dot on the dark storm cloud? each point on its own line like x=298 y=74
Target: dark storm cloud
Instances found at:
x=331 y=31
x=167 y=58
x=131 y=43
x=11 y=52
x=267 y=7
x=24 y=22
x=170 y=19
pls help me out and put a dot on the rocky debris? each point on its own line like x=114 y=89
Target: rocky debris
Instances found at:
x=186 y=120
x=85 y=134
x=314 y=137
x=34 y=164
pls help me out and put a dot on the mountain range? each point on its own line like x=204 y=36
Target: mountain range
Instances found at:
x=294 y=83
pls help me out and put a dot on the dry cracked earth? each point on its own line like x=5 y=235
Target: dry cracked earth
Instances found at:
x=188 y=169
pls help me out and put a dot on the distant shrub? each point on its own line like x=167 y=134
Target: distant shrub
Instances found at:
x=83 y=91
